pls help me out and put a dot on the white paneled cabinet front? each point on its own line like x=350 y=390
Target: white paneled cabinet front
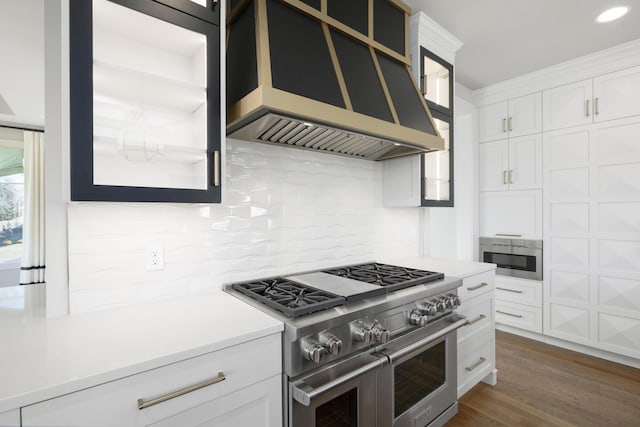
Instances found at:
x=249 y=394
x=592 y=234
x=476 y=341
x=10 y=418
x=511 y=164
x=511 y=214
x=512 y=118
x=607 y=97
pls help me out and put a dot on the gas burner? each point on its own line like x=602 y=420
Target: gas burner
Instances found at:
x=392 y=277
x=291 y=298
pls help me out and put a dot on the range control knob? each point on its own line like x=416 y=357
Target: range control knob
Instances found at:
x=456 y=301
x=331 y=343
x=428 y=308
x=360 y=332
x=380 y=334
x=313 y=350
x=417 y=318
x=440 y=306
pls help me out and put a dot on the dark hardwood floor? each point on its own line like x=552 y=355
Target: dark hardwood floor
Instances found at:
x=543 y=385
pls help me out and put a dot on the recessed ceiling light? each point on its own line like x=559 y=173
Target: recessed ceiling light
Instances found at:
x=613 y=14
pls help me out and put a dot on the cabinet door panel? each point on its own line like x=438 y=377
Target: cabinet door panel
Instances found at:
x=525 y=115
x=10 y=418
x=525 y=162
x=494 y=158
x=568 y=105
x=617 y=95
x=511 y=212
x=492 y=122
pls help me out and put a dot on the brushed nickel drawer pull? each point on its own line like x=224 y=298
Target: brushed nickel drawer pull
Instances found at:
x=508 y=235
x=509 y=290
x=509 y=314
x=504 y=177
x=596 y=105
x=504 y=125
x=145 y=403
x=510 y=176
x=475 y=365
x=476 y=320
x=481 y=285
x=510 y=124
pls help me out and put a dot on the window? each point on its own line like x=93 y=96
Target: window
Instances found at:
x=436 y=84
x=11 y=211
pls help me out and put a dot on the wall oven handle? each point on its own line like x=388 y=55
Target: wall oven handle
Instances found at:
x=305 y=396
x=421 y=343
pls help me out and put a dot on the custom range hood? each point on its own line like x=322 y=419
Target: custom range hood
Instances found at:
x=327 y=75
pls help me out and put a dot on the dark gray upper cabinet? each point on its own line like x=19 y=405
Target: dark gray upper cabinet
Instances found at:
x=436 y=84
x=145 y=96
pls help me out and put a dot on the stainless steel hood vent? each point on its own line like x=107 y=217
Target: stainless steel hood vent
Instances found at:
x=327 y=75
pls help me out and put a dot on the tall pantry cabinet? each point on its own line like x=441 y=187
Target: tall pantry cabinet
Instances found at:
x=592 y=212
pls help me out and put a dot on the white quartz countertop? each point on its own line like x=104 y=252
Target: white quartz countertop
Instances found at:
x=450 y=267
x=42 y=358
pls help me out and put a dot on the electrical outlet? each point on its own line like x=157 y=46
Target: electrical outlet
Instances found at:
x=154 y=257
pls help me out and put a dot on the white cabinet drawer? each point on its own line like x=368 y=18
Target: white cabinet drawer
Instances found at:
x=475 y=359
x=519 y=316
x=475 y=285
x=116 y=402
x=10 y=418
x=256 y=403
x=479 y=311
x=528 y=292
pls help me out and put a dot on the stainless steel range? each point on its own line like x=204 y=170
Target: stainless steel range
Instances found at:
x=364 y=345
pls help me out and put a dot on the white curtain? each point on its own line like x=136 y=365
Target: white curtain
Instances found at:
x=32 y=268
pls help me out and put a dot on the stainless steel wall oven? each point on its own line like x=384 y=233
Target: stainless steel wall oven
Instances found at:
x=514 y=257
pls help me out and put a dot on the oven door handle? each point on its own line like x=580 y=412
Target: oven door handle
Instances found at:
x=463 y=321
x=304 y=393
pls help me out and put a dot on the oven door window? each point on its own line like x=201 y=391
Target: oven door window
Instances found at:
x=341 y=411
x=511 y=261
x=418 y=377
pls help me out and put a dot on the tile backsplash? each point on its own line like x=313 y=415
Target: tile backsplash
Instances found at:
x=283 y=211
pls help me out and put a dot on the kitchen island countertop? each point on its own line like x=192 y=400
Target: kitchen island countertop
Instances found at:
x=42 y=358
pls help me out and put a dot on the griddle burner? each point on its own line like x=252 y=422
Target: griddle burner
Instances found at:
x=392 y=277
x=291 y=298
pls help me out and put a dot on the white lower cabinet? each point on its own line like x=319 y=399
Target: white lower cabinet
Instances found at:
x=10 y=418
x=178 y=394
x=476 y=341
x=519 y=303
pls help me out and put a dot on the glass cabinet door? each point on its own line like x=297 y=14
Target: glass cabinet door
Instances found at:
x=437 y=167
x=146 y=129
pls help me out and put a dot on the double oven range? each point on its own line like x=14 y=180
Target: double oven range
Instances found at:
x=364 y=345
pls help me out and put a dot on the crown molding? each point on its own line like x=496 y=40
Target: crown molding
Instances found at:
x=602 y=62
x=434 y=37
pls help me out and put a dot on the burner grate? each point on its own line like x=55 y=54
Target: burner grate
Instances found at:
x=392 y=277
x=291 y=298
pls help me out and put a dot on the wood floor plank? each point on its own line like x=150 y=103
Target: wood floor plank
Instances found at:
x=543 y=385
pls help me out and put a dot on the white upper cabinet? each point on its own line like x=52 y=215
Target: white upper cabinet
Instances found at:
x=568 y=105
x=617 y=95
x=511 y=164
x=512 y=118
x=611 y=96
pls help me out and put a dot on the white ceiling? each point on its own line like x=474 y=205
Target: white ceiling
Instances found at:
x=22 y=59
x=508 y=38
